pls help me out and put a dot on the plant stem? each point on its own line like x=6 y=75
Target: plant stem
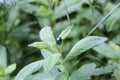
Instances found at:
x=67 y=13
x=104 y=18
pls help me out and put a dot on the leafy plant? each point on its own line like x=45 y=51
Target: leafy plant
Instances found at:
x=54 y=62
x=4 y=69
x=62 y=58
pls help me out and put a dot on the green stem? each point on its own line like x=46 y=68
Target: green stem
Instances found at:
x=103 y=19
x=67 y=13
x=65 y=68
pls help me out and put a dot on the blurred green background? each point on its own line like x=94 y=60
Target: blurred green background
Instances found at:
x=21 y=21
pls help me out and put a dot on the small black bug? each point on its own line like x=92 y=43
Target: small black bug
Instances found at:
x=58 y=40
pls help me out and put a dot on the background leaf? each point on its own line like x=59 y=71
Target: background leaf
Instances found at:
x=10 y=68
x=3 y=56
x=112 y=20
x=76 y=4
x=108 y=51
x=88 y=70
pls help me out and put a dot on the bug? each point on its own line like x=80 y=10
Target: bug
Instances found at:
x=58 y=40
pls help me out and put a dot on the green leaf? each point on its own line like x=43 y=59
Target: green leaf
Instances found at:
x=112 y=22
x=50 y=62
x=45 y=53
x=83 y=45
x=41 y=45
x=72 y=5
x=78 y=77
x=43 y=9
x=88 y=70
x=113 y=45
x=10 y=69
x=84 y=72
x=28 y=70
x=2 y=70
x=5 y=78
x=47 y=36
x=41 y=76
x=62 y=76
x=65 y=33
x=3 y=56
x=108 y=51
x=28 y=8
x=44 y=21
x=117 y=74
x=88 y=1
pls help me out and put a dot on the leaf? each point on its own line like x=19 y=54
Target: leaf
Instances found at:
x=62 y=76
x=50 y=62
x=41 y=45
x=65 y=33
x=72 y=5
x=47 y=36
x=108 y=51
x=88 y=70
x=45 y=53
x=28 y=70
x=117 y=74
x=83 y=45
x=27 y=7
x=10 y=69
x=113 y=20
x=116 y=39
x=113 y=45
x=2 y=70
x=11 y=20
x=44 y=21
x=85 y=72
x=5 y=78
x=41 y=76
x=3 y=56
x=43 y=9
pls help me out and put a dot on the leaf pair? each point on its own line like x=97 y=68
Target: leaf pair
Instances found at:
x=4 y=70
x=46 y=35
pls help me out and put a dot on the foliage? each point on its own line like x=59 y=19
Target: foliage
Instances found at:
x=4 y=69
x=76 y=57
x=55 y=59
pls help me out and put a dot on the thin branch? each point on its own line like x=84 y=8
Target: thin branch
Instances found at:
x=67 y=12
x=103 y=19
